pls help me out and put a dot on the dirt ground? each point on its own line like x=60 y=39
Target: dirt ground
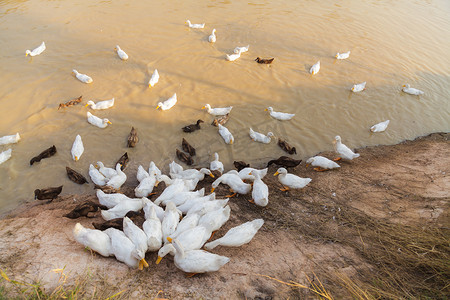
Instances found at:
x=316 y=232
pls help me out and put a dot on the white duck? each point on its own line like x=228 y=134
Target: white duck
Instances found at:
x=5 y=155
x=193 y=239
x=101 y=104
x=77 y=148
x=315 y=68
x=170 y=221
x=96 y=240
x=241 y=49
x=322 y=163
x=234 y=182
x=359 y=87
x=188 y=222
x=245 y=173
x=124 y=206
x=122 y=247
x=176 y=186
x=169 y=103
x=291 y=181
x=207 y=207
x=110 y=200
x=97 y=177
x=408 y=89
x=233 y=57
x=9 y=139
x=192 y=174
x=181 y=197
x=195 y=26
x=152 y=228
x=139 y=239
x=36 y=51
x=121 y=53
x=146 y=185
x=82 y=77
x=153 y=168
x=107 y=172
x=148 y=207
x=141 y=173
x=175 y=168
x=212 y=37
x=96 y=121
x=380 y=127
x=216 y=164
x=343 y=150
x=260 y=191
x=218 y=111
x=186 y=206
x=226 y=135
x=213 y=220
x=117 y=180
x=279 y=115
x=237 y=236
x=344 y=55
x=154 y=79
x=259 y=137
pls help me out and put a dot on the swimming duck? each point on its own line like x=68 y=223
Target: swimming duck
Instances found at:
x=47 y=193
x=192 y=127
x=343 y=150
x=133 y=139
x=220 y=120
x=359 y=87
x=9 y=139
x=195 y=26
x=259 y=137
x=237 y=236
x=107 y=172
x=216 y=164
x=117 y=180
x=122 y=247
x=239 y=165
x=97 y=177
x=5 y=155
x=322 y=163
x=82 y=77
x=187 y=147
x=123 y=207
x=264 y=60
x=101 y=104
x=44 y=154
x=170 y=221
x=146 y=185
x=226 y=135
x=152 y=228
x=380 y=127
x=121 y=53
x=279 y=115
x=70 y=103
x=75 y=176
x=186 y=158
x=123 y=161
x=234 y=182
x=285 y=161
x=260 y=191
x=83 y=209
x=36 y=51
x=233 y=57
x=139 y=239
x=96 y=121
x=241 y=49
x=96 y=240
x=218 y=111
x=291 y=181
x=244 y=173
x=342 y=55
x=154 y=79
x=77 y=148
x=315 y=68
x=286 y=147
x=409 y=90
x=169 y=103
x=110 y=200
x=212 y=37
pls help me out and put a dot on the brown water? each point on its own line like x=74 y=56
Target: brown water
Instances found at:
x=391 y=43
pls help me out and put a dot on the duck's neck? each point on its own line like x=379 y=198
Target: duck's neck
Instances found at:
x=179 y=251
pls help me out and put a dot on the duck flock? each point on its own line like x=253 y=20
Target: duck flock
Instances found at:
x=181 y=220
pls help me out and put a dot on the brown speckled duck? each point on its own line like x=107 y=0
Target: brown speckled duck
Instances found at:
x=49 y=193
x=187 y=159
x=83 y=209
x=123 y=161
x=286 y=147
x=44 y=154
x=70 y=103
x=187 y=147
x=221 y=120
x=132 y=138
x=239 y=164
x=75 y=176
x=285 y=161
x=264 y=60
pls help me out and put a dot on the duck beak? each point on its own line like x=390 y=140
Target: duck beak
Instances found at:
x=276 y=173
x=156 y=184
x=169 y=239
x=159 y=260
x=307 y=165
x=203 y=107
x=266 y=109
x=109 y=122
x=403 y=85
x=212 y=190
x=86 y=105
x=210 y=174
x=76 y=158
x=26 y=54
x=157 y=107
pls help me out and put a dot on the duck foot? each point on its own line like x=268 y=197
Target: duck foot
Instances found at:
x=285 y=189
x=231 y=196
x=212 y=234
x=189 y=275
x=251 y=201
x=151 y=194
x=318 y=169
x=337 y=158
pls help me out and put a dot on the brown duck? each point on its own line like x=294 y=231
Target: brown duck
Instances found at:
x=132 y=138
x=47 y=193
x=239 y=165
x=186 y=158
x=220 y=120
x=187 y=147
x=285 y=161
x=123 y=161
x=70 y=103
x=44 y=154
x=264 y=60
x=192 y=127
x=106 y=189
x=286 y=147
x=75 y=176
x=83 y=210
x=136 y=217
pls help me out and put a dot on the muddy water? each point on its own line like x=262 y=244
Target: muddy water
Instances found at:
x=391 y=43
